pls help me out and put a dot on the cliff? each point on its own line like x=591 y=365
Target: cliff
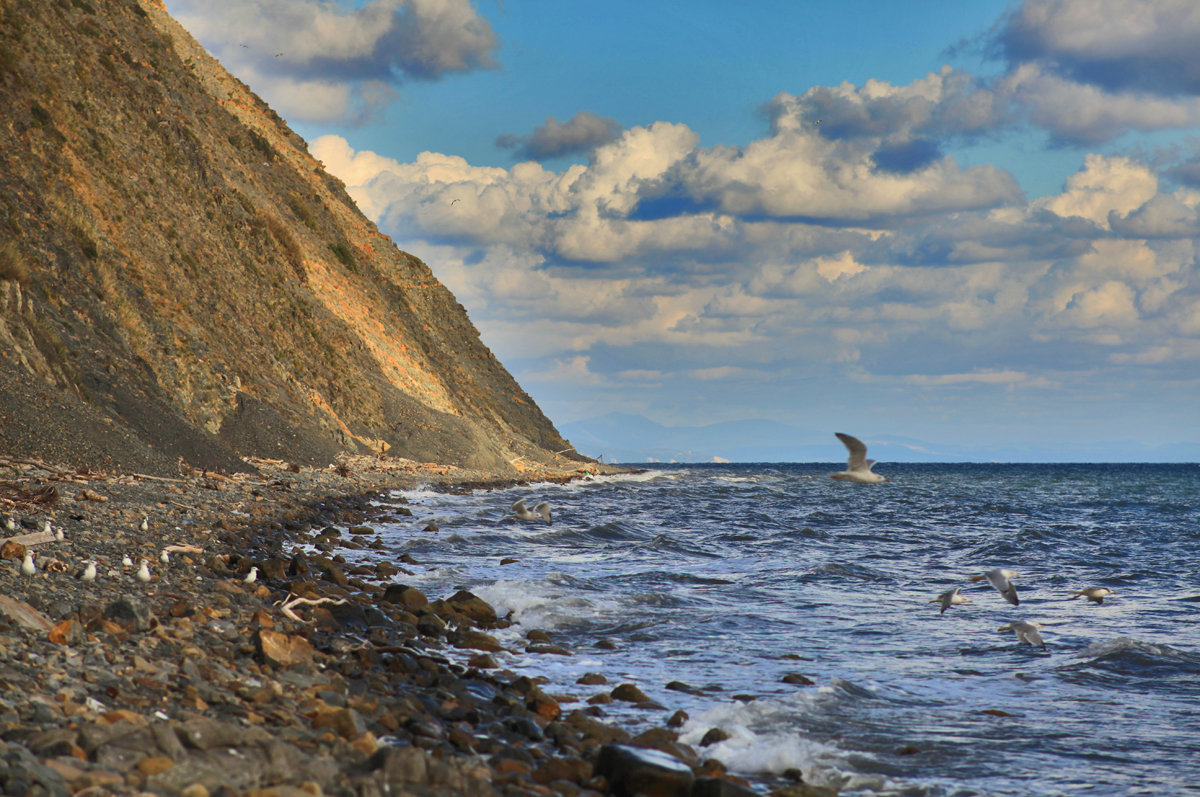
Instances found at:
x=181 y=281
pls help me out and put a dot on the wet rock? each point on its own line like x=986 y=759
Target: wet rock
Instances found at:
x=361 y=530
x=713 y=736
x=631 y=771
x=478 y=610
x=629 y=693
x=477 y=640
x=720 y=787
x=410 y=598
x=591 y=679
x=677 y=719
x=798 y=679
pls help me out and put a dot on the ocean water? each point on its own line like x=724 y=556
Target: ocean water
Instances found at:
x=730 y=577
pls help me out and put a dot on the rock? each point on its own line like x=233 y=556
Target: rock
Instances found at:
x=677 y=719
x=132 y=614
x=720 y=787
x=282 y=650
x=361 y=530
x=477 y=609
x=629 y=693
x=410 y=598
x=23 y=614
x=154 y=765
x=570 y=769
x=797 y=678
x=632 y=771
x=207 y=734
x=67 y=632
x=11 y=549
x=546 y=648
x=591 y=679
x=477 y=640
x=713 y=736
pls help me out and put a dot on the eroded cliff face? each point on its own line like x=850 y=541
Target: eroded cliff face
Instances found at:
x=179 y=278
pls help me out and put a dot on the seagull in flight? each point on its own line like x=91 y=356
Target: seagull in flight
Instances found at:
x=1094 y=594
x=1026 y=632
x=523 y=513
x=951 y=598
x=1001 y=578
x=858 y=467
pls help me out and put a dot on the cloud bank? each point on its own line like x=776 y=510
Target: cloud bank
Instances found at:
x=316 y=61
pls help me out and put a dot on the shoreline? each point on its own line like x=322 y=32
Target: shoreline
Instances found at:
x=307 y=680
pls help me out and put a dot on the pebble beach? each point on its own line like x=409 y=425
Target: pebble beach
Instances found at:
x=257 y=661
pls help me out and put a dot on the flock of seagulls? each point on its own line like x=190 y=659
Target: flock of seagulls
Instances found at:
x=858 y=470
x=89 y=572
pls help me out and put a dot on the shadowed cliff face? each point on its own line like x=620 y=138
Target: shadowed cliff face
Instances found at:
x=179 y=278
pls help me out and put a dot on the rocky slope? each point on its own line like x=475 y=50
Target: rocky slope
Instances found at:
x=181 y=282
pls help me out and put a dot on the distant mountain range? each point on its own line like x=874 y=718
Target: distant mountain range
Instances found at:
x=623 y=437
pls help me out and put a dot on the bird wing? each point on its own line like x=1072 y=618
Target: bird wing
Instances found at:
x=519 y=506
x=857 y=449
x=543 y=509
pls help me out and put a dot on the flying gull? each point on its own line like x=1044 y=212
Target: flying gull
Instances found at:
x=1026 y=632
x=950 y=598
x=858 y=467
x=1001 y=579
x=1094 y=594
x=522 y=512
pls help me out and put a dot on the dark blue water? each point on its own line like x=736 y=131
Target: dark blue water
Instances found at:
x=729 y=577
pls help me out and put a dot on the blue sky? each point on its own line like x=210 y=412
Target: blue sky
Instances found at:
x=942 y=220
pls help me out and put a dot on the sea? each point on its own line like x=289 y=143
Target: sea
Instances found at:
x=797 y=609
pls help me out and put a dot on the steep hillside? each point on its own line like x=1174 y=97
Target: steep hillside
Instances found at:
x=179 y=278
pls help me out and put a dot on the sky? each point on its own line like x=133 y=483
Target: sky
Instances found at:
x=945 y=220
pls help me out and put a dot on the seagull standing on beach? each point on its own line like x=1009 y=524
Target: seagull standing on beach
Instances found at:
x=126 y=561
x=252 y=576
x=522 y=512
x=1094 y=594
x=46 y=528
x=858 y=467
x=10 y=525
x=89 y=572
x=951 y=598
x=164 y=557
x=145 y=524
x=1001 y=579
x=1026 y=632
x=28 y=567
x=143 y=573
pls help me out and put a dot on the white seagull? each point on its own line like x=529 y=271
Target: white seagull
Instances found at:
x=252 y=576
x=10 y=525
x=126 y=561
x=27 y=566
x=858 y=467
x=145 y=524
x=164 y=557
x=143 y=573
x=89 y=572
x=1094 y=594
x=1001 y=579
x=522 y=512
x=951 y=598
x=1026 y=632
